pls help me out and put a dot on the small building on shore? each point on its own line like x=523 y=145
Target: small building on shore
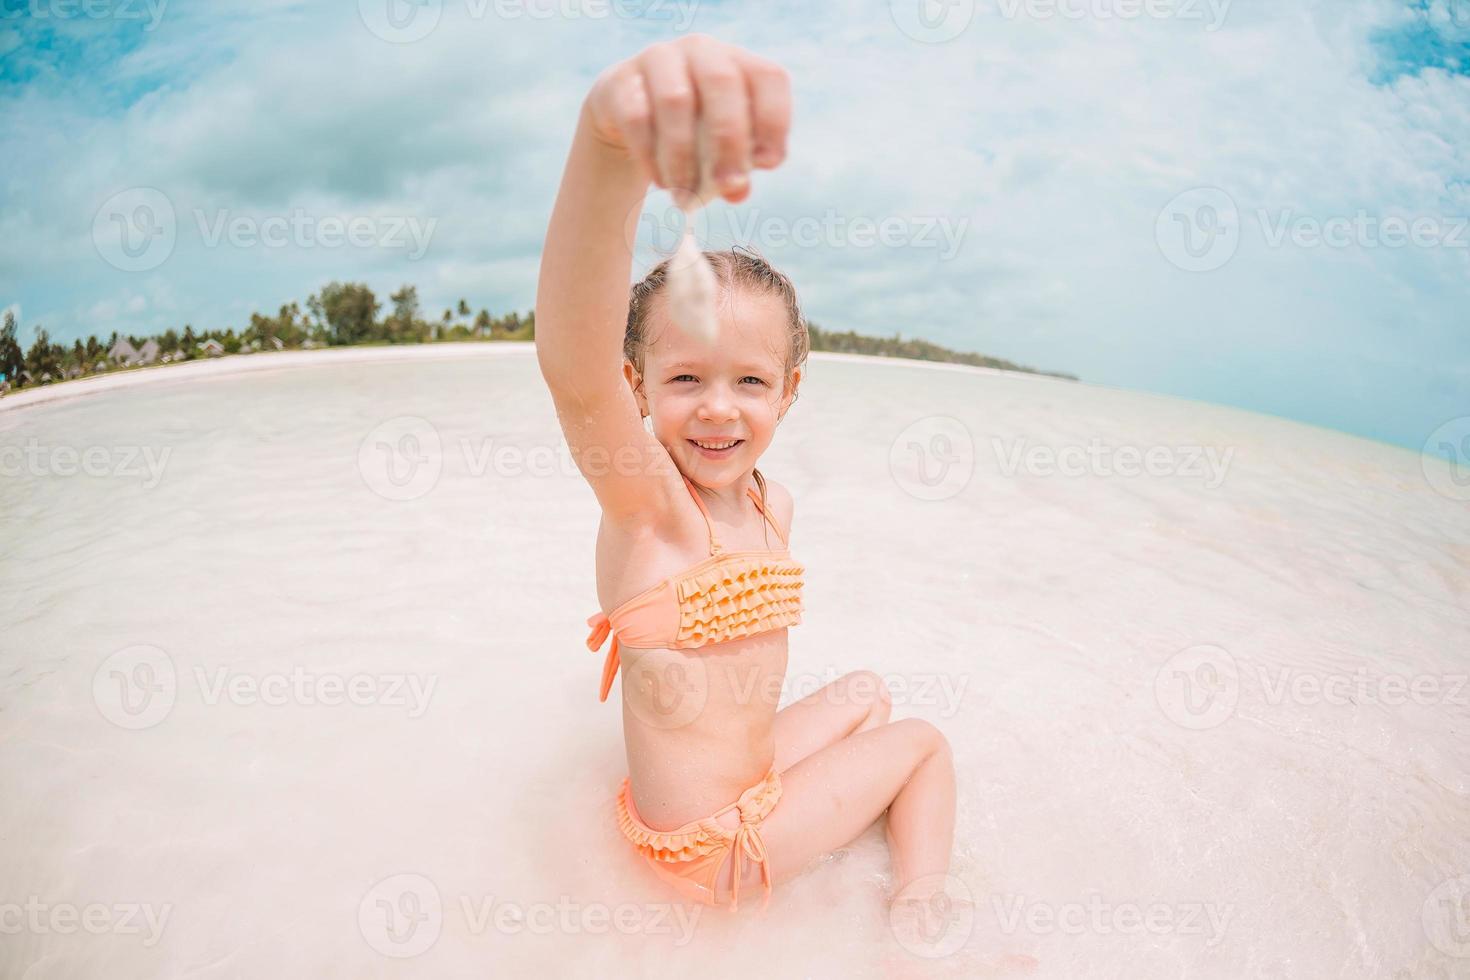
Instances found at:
x=148 y=353
x=123 y=353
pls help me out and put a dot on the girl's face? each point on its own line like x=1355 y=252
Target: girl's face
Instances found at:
x=703 y=397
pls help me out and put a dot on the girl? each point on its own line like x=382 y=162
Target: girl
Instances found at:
x=724 y=792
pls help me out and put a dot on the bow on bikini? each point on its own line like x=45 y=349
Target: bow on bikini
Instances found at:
x=748 y=843
x=601 y=627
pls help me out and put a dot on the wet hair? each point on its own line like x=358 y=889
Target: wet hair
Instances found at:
x=739 y=267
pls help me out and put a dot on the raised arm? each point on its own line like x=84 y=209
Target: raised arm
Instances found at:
x=637 y=126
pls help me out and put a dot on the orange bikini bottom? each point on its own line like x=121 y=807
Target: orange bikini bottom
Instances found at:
x=691 y=857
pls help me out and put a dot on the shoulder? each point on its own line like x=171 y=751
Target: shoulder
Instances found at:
x=782 y=504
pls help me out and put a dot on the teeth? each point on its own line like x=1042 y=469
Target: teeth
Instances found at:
x=716 y=445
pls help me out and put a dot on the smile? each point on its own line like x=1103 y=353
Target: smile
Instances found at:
x=716 y=447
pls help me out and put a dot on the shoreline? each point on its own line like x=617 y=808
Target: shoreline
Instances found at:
x=445 y=350
x=248 y=363
x=230 y=364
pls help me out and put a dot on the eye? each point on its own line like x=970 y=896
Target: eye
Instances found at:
x=751 y=377
x=683 y=376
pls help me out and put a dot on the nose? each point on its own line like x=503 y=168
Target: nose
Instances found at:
x=717 y=405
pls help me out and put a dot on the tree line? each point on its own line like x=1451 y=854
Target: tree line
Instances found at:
x=343 y=314
x=340 y=314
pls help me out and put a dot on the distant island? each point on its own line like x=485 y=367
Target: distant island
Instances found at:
x=347 y=314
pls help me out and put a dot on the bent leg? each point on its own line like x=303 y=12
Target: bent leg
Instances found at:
x=854 y=702
x=834 y=794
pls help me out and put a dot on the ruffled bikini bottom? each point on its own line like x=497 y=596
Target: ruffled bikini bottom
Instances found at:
x=691 y=857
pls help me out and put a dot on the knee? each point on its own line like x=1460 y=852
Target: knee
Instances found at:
x=869 y=689
x=929 y=739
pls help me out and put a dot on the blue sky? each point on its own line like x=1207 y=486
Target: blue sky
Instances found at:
x=1199 y=201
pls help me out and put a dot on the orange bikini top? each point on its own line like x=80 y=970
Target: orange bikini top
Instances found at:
x=727 y=596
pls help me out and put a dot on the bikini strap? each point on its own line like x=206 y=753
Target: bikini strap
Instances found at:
x=714 y=544
x=771 y=520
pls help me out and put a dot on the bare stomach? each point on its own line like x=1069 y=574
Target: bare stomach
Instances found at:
x=699 y=724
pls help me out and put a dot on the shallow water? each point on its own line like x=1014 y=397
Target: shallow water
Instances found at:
x=311 y=698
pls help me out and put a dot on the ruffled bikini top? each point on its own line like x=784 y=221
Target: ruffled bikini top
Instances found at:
x=727 y=596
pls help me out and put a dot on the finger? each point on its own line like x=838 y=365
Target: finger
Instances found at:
x=635 y=119
x=724 y=111
x=769 y=88
x=671 y=93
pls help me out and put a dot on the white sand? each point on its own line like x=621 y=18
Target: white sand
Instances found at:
x=169 y=636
